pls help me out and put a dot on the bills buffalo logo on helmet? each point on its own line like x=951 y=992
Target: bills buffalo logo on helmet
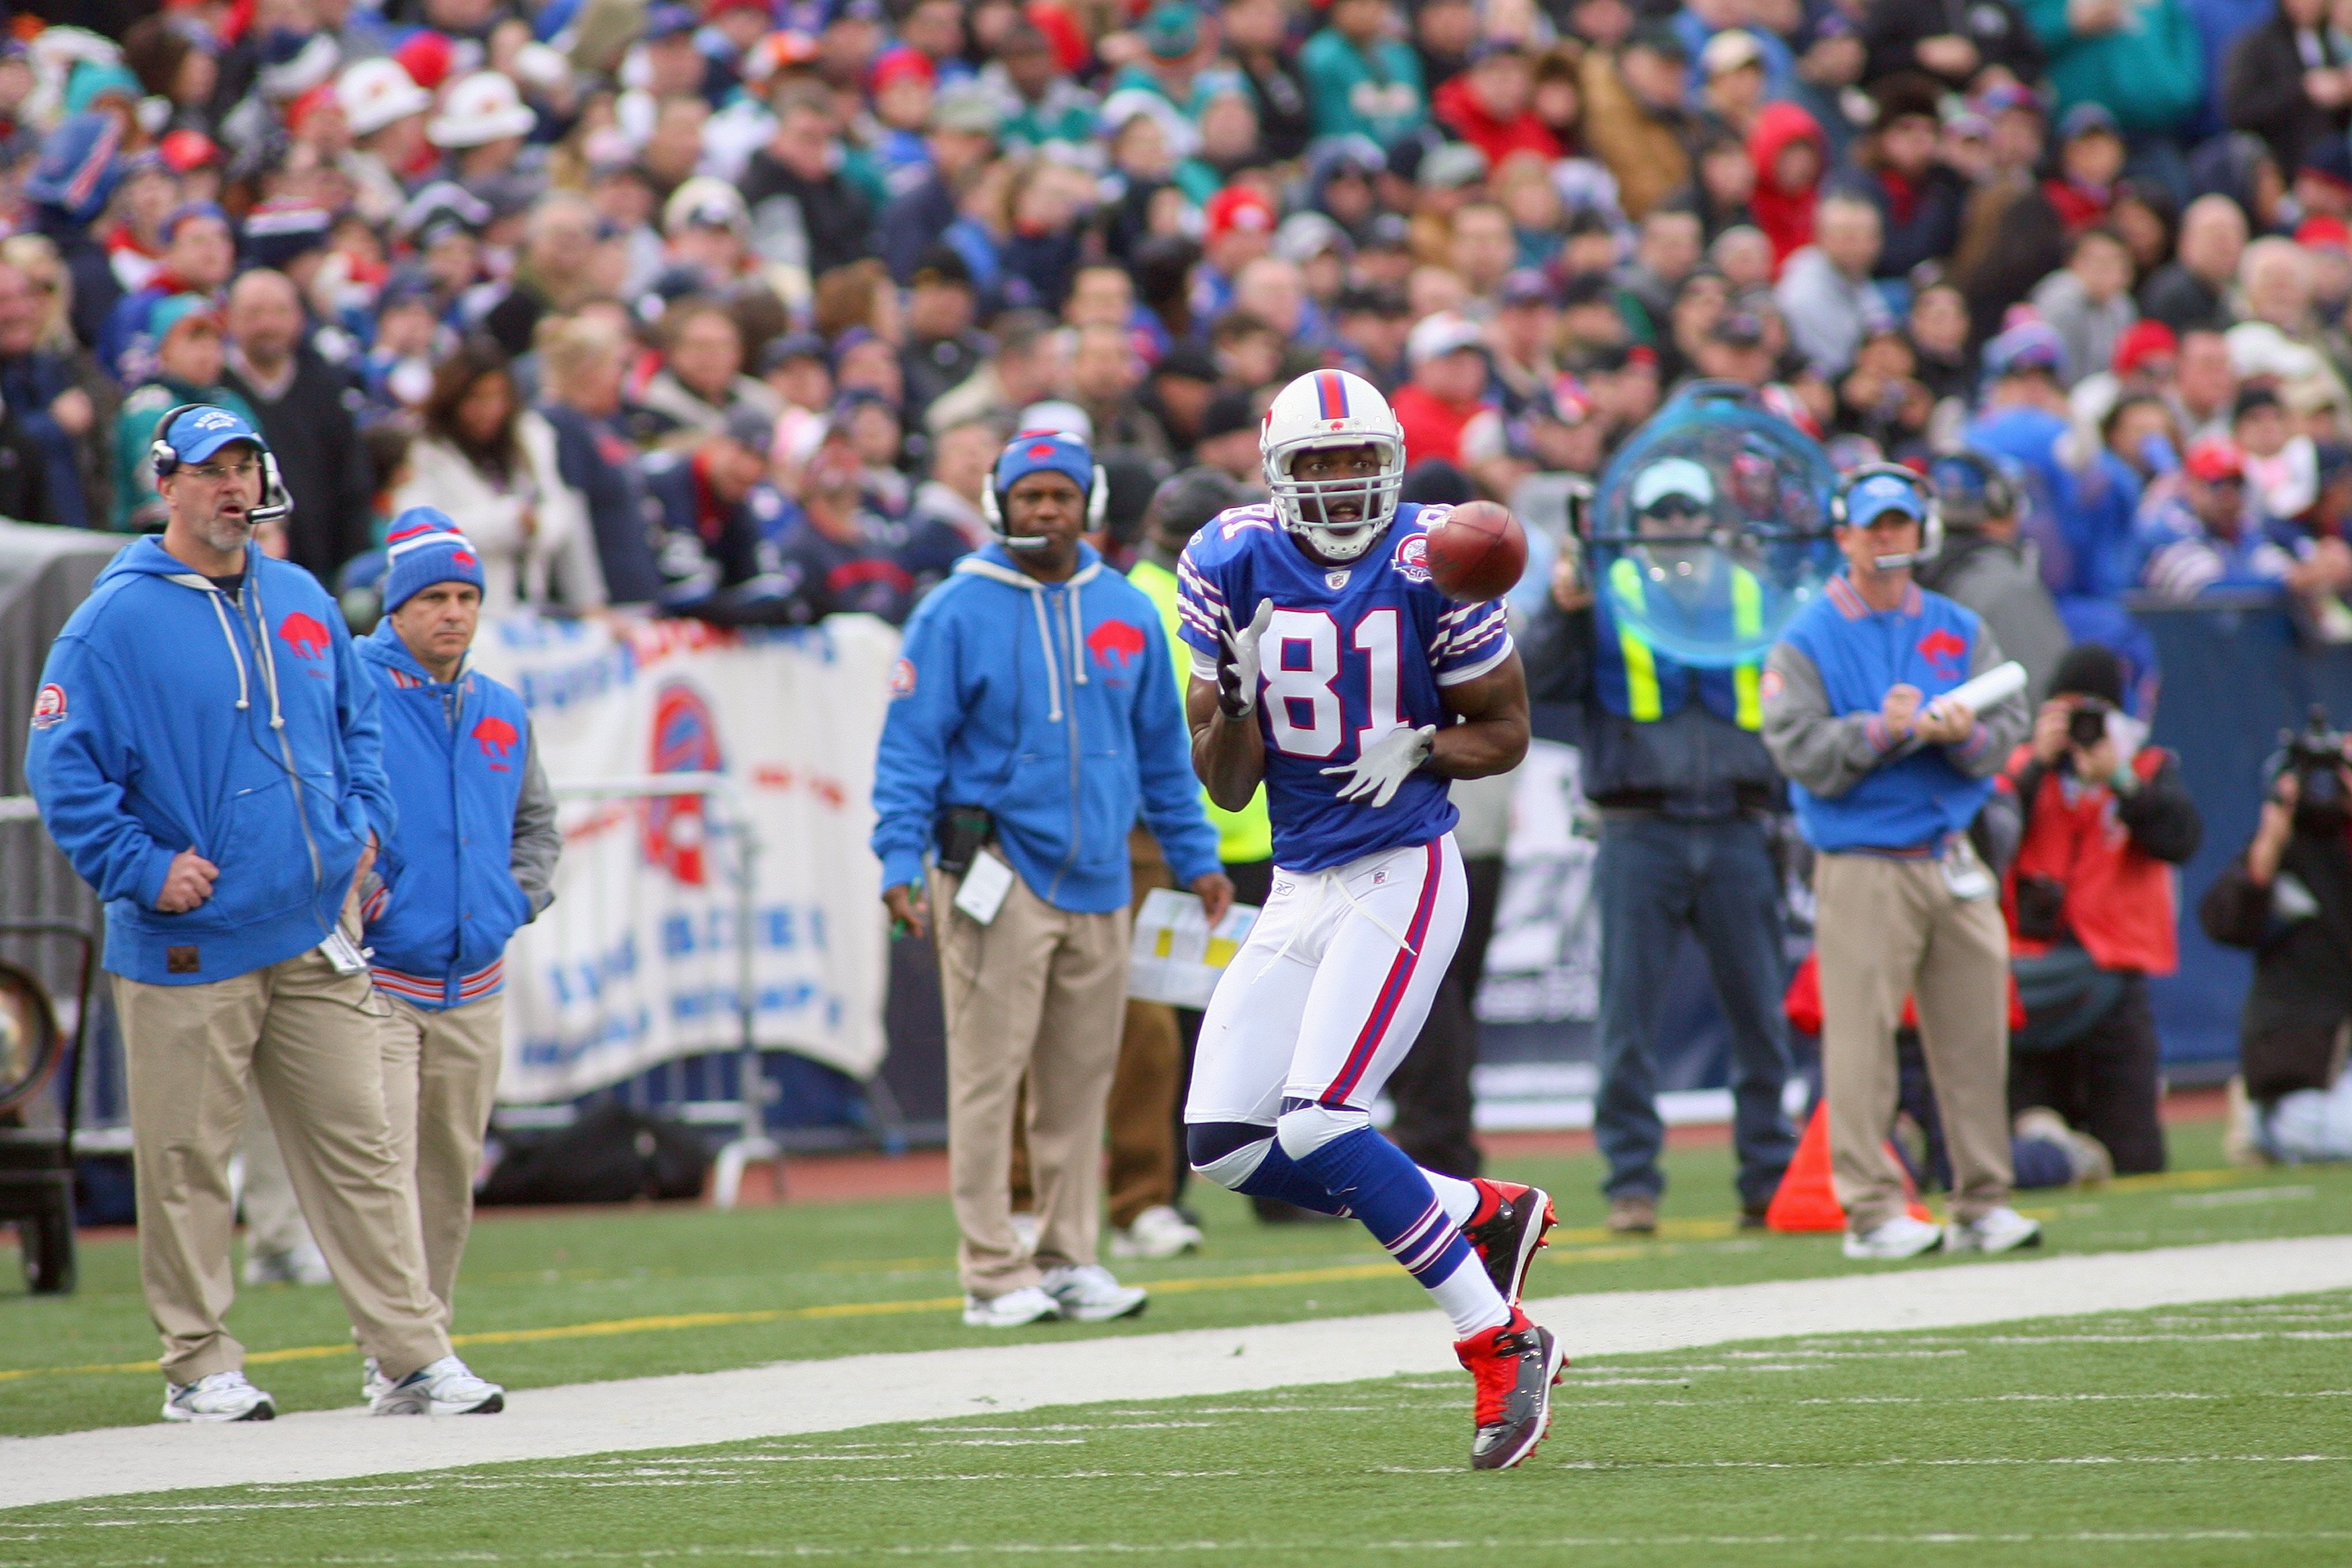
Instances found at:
x=1413 y=557
x=684 y=740
x=1942 y=650
x=1118 y=639
x=497 y=738
x=306 y=636
x=50 y=706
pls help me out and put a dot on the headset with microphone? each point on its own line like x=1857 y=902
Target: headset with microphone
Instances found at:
x=274 y=501
x=1931 y=527
x=1097 y=503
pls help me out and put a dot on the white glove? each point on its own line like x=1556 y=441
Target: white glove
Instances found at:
x=1237 y=662
x=1386 y=764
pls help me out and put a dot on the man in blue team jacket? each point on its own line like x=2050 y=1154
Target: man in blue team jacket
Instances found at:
x=206 y=750
x=1034 y=717
x=472 y=861
x=1886 y=779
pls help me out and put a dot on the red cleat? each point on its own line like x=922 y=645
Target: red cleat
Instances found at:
x=1508 y=1231
x=1514 y=1366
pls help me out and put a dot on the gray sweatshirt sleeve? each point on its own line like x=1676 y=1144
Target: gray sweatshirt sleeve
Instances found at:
x=2001 y=727
x=1828 y=754
x=537 y=843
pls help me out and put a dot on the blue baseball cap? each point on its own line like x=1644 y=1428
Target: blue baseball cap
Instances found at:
x=1876 y=496
x=205 y=429
x=1041 y=451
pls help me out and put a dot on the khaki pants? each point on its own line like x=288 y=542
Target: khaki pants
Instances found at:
x=273 y=1217
x=440 y=1073
x=308 y=1038
x=1038 y=991
x=1143 y=1087
x=1889 y=928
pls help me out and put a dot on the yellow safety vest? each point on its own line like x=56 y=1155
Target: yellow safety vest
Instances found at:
x=1644 y=698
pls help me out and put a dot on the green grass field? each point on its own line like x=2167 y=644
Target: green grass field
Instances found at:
x=2218 y=1435
x=603 y=1294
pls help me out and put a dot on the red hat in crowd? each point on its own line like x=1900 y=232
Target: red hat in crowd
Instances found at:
x=2216 y=458
x=2323 y=231
x=1238 y=206
x=186 y=150
x=897 y=63
x=718 y=6
x=426 y=56
x=2142 y=342
x=1070 y=46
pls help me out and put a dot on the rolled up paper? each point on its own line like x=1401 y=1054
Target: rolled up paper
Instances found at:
x=2002 y=680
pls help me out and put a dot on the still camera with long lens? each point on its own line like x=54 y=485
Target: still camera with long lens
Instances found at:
x=2314 y=758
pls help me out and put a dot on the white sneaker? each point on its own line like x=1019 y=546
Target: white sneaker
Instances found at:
x=306 y=1265
x=1025 y=1233
x=1088 y=1294
x=1995 y=1230
x=445 y=1388
x=222 y=1396
x=1158 y=1232
x=373 y=1382
x=1014 y=1309
x=1899 y=1237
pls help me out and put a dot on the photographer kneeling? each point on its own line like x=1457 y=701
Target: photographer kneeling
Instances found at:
x=2289 y=898
x=2090 y=906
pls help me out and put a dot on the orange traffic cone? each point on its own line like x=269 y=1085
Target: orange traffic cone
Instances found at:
x=1806 y=1199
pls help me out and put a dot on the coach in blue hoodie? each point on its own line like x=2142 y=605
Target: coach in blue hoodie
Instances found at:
x=1035 y=709
x=206 y=750
x=472 y=861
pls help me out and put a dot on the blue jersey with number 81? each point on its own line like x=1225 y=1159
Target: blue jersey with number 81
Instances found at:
x=1353 y=651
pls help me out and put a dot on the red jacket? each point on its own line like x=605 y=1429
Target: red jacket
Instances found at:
x=1433 y=427
x=1786 y=219
x=1458 y=109
x=2119 y=898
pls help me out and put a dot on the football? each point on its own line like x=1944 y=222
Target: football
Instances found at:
x=1476 y=552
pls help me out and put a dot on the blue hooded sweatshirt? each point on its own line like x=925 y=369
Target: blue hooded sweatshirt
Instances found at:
x=1052 y=705
x=438 y=924
x=171 y=718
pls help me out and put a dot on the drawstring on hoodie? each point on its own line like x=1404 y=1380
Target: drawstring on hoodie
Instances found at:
x=1077 y=639
x=269 y=658
x=215 y=596
x=1053 y=664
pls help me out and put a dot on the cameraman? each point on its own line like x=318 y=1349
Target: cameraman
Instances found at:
x=2289 y=899
x=2090 y=908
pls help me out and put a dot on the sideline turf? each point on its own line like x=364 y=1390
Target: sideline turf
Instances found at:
x=525 y=1275
x=2213 y=1435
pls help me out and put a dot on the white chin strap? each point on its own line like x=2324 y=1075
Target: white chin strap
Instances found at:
x=1340 y=546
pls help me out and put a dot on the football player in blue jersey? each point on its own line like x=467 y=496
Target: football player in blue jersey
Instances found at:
x=1328 y=665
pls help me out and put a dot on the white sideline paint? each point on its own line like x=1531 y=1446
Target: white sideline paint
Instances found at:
x=797 y=1397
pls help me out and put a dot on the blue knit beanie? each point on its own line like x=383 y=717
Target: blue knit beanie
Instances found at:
x=1039 y=451
x=425 y=548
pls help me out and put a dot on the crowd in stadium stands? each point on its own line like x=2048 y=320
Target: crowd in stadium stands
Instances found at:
x=719 y=310
x=725 y=311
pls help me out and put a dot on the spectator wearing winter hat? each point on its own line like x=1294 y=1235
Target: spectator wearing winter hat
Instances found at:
x=188 y=357
x=1636 y=116
x=299 y=405
x=2210 y=537
x=481 y=128
x=68 y=188
x=1359 y=80
x=963 y=130
x=386 y=111
x=1238 y=225
x=198 y=258
x=489 y=462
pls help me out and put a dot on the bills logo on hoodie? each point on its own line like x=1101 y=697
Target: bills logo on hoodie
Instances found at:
x=1942 y=650
x=1116 y=640
x=497 y=738
x=684 y=740
x=50 y=706
x=306 y=636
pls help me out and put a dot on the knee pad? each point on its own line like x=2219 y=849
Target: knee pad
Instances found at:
x=1305 y=1127
x=1227 y=1152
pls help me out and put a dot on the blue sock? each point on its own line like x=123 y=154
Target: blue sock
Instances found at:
x=1388 y=1192
x=1276 y=1177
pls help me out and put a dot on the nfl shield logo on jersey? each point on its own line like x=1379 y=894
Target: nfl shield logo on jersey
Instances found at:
x=1413 y=557
x=1335 y=579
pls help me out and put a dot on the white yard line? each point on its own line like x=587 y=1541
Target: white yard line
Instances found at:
x=797 y=1397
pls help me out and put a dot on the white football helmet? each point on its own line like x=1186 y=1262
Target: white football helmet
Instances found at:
x=1333 y=408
